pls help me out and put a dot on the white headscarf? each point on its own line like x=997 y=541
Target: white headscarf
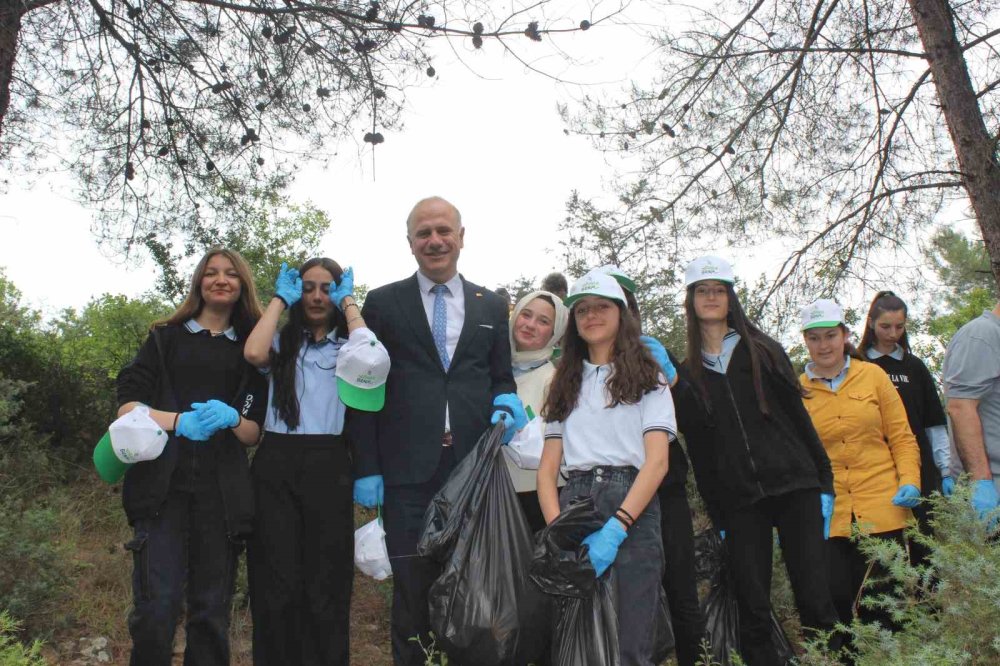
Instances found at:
x=526 y=359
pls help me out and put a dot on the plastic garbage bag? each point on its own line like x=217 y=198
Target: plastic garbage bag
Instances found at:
x=370 y=553
x=720 y=606
x=586 y=625
x=585 y=630
x=483 y=609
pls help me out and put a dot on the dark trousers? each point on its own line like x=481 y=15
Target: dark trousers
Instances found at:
x=183 y=549
x=800 y=528
x=532 y=510
x=849 y=569
x=639 y=564
x=679 y=579
x=412 y=575
x=301 y=557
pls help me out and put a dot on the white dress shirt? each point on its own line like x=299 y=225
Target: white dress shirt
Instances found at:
x=454 y=303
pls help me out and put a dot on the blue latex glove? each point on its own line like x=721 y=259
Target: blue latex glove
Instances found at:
x=826 y=508
x=189 y=426
x=369 y=491
x=661 y=357
x=907 y=496
x=338 y=292
x=947 y=486
x=722 y=534
x=511 y=423
x=215 y=415
x=984 y=497
x=288 y=286
x=603 y=545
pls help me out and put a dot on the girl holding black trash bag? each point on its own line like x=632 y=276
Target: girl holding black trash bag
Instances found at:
x=757 y=459
x=301 y=557
x=610 y=416
x=191 y=507
x=679 y=579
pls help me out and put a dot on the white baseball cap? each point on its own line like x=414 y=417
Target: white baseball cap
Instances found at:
x=624 y=280
x=823 y=313
x=596 y=283
x=362 y=368
x=134 y=437
x=709 y=267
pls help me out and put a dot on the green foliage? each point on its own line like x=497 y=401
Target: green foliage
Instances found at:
x=12 y=652
x=949 y=611
x=35 y=565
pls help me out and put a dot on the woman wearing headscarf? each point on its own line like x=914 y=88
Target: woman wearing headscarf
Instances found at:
x=537 y=324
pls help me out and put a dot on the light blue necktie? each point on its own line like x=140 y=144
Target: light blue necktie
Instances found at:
x=439 y=329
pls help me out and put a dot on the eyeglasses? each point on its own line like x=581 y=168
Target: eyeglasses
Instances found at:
x=882 y=294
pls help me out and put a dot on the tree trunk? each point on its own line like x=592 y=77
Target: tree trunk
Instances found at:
x=975 y=149
x=11 y=12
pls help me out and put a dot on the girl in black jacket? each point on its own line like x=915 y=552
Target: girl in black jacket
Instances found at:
x=757 y=459
x=191 y=507
x=886 y=344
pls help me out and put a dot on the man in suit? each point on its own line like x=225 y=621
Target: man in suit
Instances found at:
x=447 y=339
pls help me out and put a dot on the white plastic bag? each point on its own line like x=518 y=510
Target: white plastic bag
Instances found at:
x=370 y=553
x=525 y=450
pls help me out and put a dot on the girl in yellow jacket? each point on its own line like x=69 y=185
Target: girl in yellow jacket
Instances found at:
x=862 y=422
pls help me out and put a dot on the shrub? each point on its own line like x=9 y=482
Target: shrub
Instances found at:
x=12 y=652
x=949 y=610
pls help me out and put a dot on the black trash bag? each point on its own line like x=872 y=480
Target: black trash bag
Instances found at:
x=585 y=631
x=720 y=607
x=483 y=609
x=586 y=628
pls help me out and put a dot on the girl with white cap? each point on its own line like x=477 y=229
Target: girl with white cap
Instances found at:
x=757 y=459
x=301 y=557
x=679 y=577
x=610 y=417
x=537 y=324
x=876 y=463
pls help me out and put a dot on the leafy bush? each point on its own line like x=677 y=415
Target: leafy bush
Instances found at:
x=12 y=652
x=35 y=564
x=949 y=610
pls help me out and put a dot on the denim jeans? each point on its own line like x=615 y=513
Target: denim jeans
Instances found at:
x=639 y=563
x=184 y=548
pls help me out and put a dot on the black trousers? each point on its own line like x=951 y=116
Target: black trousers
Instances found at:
x=800 y=528
x=412 y=575
x=532 y=510
x=679 y=579
x=301 y=557
x=184 y=552
x=849 y=569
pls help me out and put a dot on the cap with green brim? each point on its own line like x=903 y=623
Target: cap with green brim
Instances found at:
x=624 y=280
x=823 y=313
x=596 y=283
x=362 y=369
x=134 y=437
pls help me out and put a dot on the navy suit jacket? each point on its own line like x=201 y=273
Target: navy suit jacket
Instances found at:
x=403 y=441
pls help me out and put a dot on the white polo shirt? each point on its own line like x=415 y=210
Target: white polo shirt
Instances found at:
x=596 y=435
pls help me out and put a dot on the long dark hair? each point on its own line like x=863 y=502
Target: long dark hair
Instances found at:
x=884 y=301
x=246 y=311
x=635 y=372
x=762 y=349
x=284 y=362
